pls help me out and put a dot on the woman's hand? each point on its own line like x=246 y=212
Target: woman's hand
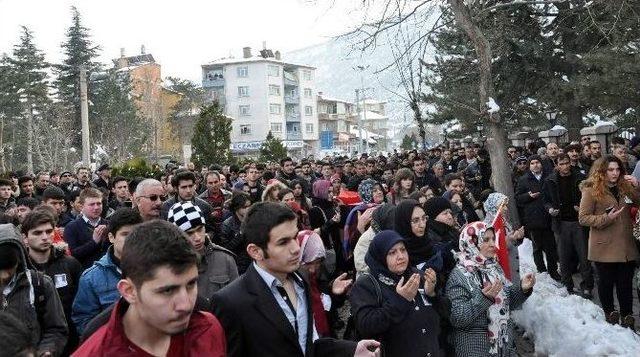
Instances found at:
x=519 y=234
x=527 y=282
x=632 y=180
x=336 y=217
x=409 y=289
x=615 y=213
x=341 y=284
x=491 y=290
x=364 y=219
x=430 y=280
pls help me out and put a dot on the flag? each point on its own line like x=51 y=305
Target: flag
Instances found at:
x=501 y=243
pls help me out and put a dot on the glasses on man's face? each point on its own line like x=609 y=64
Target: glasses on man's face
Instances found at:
x=66 y=175
x=155 y=197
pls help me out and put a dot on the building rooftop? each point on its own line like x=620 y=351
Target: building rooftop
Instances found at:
x=232 y=60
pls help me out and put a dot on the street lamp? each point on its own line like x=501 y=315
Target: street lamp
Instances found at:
x=551 y=117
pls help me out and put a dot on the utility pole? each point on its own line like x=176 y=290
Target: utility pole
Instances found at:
x=359 y=121
x=84 y=117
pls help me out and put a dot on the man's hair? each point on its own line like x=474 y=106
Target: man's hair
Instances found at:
x=53 y=193
x=15 y=337
x=81 y=168
x=5 y=182
x=152 y=245
x=282 y=161
x=183 y=176
x=24 y=179
x=90 y=192
x=574 y=147
x=563 y=156
x=10 y=256
x=212 y=173
x=27 y=202
x=238 y=200
x=124 y=216
x=448 y=178
x=40 y=174
x=261 y=218
x=594 y=142
x=73 y=195
x=618 y=141
x=36 y=218
x=117 y=179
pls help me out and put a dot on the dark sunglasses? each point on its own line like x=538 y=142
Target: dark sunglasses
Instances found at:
x=156 y=197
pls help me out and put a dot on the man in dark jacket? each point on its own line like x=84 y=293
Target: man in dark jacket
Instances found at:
x=37 y=232
x=104 y=177
x=30 y=295
x=184 y=185
x=86 y=234
x=267 y=311
x=562 y=197
x=155 y=314
x=287 y=171
x=7 y=202
x=230 y=236
x=535 y=217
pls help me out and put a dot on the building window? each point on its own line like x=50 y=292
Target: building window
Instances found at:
x=274 y=108
x=276 y=127
x=274 y=90
x=309 y=128
x=244 y=110
x=245 y=129
x=243 y=71
x=308 y=93
x=308 y=110
x=307 y=75
x=243 y=91
x=325 y=126
x=273 y=71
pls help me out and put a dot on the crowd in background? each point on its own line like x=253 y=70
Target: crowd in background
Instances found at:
x=265 y=258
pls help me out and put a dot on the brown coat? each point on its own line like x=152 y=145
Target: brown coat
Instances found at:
x=610 y=241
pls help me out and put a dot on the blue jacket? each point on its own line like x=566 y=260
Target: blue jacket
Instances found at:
x=96 y=292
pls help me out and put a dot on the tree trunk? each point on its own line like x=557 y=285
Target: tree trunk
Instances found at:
x=3 y=166
x=29 y=138
x=501 y=173
x=574 y=116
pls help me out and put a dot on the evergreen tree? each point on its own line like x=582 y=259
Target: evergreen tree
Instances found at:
x=115 y=124
x=182 y=117
x=211 y=137
x=79 y=51
x=407 y=143
x=29 y=68
x=272 y=149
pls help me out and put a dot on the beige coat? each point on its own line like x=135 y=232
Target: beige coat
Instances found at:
x=610 y=241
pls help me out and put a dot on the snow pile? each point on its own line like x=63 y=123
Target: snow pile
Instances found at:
x=493 y=106
x=567 y=325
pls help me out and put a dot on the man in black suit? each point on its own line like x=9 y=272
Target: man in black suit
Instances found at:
x=267 y=311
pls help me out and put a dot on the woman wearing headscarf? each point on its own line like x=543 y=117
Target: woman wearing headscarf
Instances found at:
x=325 y=214
x=482 y=298
x=499 y=202
x=395 y=303
x=360 y=215
x=381 y=219
x=411 y=223
x=323 y=293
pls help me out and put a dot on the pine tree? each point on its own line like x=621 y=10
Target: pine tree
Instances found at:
x=29 y=68
x=211 y=137
x=407 y=143
x=79 y=51
x=272 y=149
x=182 y=119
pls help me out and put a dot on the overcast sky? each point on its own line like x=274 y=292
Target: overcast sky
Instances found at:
x=181 y=35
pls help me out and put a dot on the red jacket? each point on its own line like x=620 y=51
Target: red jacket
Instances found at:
x=204 y=337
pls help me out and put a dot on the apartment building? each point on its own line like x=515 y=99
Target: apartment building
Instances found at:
x=263 y=93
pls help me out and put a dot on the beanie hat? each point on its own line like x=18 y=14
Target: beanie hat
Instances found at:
x=186 y=216
x=520 y=159
x=436 y=205
x=534 y=157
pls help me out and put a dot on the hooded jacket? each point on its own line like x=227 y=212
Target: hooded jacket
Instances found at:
x=31 y=293
x=216 y=269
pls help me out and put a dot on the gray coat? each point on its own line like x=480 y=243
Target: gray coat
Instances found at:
x=31 y=292
x=217 y=268
x=469 y=315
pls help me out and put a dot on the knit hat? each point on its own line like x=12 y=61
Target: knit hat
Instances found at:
x=534 y=157
x=634 y=141
x=436 y=205
x=186 y=216
x=520 y=159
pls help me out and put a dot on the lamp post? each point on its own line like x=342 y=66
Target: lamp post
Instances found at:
x=551 y=117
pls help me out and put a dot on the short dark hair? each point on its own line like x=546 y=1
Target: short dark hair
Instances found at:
x=573 y=147
x=15 y=337
x=562 y=156
x=238 y=200
x=10 y=256
x=594 y=142
x=123 y=216
x=28 y=202
x=117 y=179
x=152 y=245
x=73 y=195
x=448 y=178
x=5 y=182
x=24 y=179
x=182 y=176
x=261 y=218
x=53 y=192
x=618 y=141
x=36 y=218
x=282 y=161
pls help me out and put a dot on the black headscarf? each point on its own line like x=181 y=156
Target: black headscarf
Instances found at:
x=420 y=249
x=376 y=258
x=383 y=217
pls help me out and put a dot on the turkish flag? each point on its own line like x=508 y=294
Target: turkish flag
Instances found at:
x=501 y=244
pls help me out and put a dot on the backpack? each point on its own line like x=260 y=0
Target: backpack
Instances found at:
x=40 y=301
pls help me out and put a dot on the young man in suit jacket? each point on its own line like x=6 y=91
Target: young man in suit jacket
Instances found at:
x=267 y=311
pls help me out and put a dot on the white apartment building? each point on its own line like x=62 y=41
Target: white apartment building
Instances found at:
x=263 y=93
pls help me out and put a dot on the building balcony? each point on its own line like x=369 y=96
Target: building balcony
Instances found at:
x=289 y=99
x=210 y=82
x=290 y=82
x=294 y=135
x=293 y=117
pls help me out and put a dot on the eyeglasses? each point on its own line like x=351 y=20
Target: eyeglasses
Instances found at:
x=66 y=175
x=419 y=219
x=155 y=197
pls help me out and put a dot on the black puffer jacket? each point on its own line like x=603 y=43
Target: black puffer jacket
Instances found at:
x=535 y=216
x=230 y=238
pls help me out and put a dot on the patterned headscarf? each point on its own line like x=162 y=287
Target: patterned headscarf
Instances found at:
x=365 y=190
x=478 y=270
x=321 y=189
x=311 y=246
x=491 y=206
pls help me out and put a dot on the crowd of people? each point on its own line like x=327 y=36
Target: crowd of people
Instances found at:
x=408 y=254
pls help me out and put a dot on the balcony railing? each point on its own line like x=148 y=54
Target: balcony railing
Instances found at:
x=289 y=99
x=293 y=117
x=217 y=82
x=294 y=135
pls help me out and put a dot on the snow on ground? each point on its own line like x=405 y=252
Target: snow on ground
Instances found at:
x=568 y=325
